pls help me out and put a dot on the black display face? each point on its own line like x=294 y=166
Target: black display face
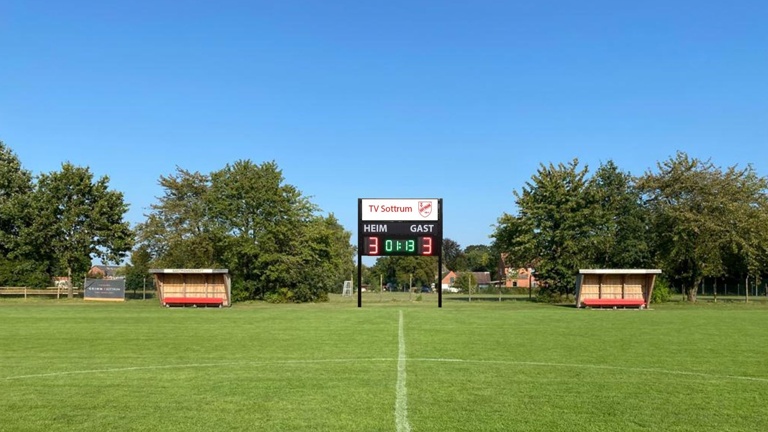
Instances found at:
x=384 y=245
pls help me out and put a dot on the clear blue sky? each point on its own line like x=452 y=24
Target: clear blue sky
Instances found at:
x=453 y=99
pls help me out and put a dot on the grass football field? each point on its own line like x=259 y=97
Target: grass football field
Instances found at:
x=392 y=365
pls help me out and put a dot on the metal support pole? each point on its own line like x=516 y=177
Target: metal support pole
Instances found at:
x=359 y=279
x=439 y=284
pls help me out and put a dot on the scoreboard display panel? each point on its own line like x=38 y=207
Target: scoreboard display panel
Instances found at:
x=381 y=238
x=385 y=245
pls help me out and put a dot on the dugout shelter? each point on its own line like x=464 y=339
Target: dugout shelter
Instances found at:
x=193 y=287
x=615 y=287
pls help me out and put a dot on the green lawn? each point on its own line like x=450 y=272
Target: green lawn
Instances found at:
x=470 y=366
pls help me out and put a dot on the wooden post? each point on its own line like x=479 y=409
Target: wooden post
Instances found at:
x=746 y=289
x=599 y=285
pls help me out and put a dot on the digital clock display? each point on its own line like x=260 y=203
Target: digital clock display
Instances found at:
x=400 y=245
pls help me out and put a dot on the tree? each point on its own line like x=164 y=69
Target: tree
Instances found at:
x=246 y=218
x=75 y=219
x=706 y=221
x=16 y=268
x=552 y=228
x=263 y=219
x=179 y=232
x=404 y=270
x=481 y=258
x=137 y=273
x=15 y=183
x=453 y=257
x=513 y=238
x=326 y=258
x=619 y=237
x=466 y=282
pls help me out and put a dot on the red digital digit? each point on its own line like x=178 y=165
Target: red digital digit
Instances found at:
x=426 y=245
x=373 y=245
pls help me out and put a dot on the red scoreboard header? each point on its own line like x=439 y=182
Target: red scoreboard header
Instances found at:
x=400 y=227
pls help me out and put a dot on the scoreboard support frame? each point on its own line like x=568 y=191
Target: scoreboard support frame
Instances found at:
x=399 y=226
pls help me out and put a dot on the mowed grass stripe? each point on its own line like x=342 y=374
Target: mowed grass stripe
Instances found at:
x=401 y=394
x=479 y=366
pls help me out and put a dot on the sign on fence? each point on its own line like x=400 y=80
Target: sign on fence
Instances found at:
x=104 y=289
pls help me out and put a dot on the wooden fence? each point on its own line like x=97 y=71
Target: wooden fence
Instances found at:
x=58 y=292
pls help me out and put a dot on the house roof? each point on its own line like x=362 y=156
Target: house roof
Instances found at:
x=482 y=277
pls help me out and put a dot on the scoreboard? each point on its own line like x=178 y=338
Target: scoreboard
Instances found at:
x=400 y=227
x=388 y=227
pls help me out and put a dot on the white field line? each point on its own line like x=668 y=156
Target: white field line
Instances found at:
x=198 y=365
x=359 y=360
x=401 y=399
x=594 y=366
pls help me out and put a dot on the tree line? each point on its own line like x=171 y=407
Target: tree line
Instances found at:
x=243 y=217
x=689 y=217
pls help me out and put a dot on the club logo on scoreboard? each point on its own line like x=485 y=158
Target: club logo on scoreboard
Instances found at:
x=425 y=208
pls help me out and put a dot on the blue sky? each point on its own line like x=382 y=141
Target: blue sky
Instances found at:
x=354 y=99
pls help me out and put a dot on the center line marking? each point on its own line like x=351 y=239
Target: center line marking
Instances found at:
x=401 y=401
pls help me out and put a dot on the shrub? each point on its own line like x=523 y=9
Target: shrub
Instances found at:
x=661 y=291
x=282 y=295
x=243 y=290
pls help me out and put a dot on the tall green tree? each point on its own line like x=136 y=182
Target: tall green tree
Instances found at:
x=75 y=218
x=619 y=236
x=453 y=255
x=326 y=258
x=246 y=218
x=552 y=227
x=16 y=267
x=513 y=239
x=707 y=221
x=180 y=232
x=264 y=219
x=15 y=183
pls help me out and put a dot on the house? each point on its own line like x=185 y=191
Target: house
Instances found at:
x=448 y=280
x=482 y=279
x=103 y=272
x=522 y=278
x=517 y=277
